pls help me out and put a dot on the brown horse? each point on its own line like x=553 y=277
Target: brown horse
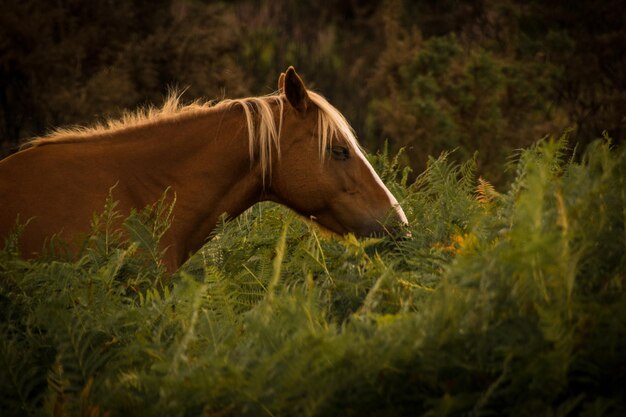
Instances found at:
x=293 y=148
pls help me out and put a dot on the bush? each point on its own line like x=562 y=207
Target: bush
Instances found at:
x=501 y=303
x=442 y=93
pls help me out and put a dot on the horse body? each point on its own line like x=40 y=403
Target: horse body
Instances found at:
x=68 y=182
x=213 y=163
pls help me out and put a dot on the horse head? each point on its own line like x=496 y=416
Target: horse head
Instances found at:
x=321 y=171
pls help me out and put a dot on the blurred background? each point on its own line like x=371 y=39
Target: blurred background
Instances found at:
x=424 y=75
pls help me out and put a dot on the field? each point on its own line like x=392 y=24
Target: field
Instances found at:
x=505 y=302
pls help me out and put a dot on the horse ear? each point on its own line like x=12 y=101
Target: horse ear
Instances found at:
x=295 y=91
x=281 y=83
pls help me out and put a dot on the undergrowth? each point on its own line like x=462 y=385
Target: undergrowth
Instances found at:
x=501 y=303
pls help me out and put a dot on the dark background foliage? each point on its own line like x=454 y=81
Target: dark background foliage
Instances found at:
x=428 y=75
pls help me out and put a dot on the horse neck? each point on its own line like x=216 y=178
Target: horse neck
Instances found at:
x=204 y=159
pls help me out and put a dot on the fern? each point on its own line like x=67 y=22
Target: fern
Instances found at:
x=506 y=302
x=21 y=377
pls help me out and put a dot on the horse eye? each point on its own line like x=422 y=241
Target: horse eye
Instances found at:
x=340 y=153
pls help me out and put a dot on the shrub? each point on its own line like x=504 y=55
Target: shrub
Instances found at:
x=501 y=303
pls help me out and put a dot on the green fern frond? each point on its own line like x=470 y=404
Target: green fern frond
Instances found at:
x=21 y=381
x=498 y=303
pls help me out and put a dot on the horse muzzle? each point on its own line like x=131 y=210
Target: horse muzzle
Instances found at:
x=394 y=225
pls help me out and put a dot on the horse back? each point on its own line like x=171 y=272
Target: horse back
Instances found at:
x=49 y=186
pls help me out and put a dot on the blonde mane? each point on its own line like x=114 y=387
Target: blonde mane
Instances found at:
x=263 y=132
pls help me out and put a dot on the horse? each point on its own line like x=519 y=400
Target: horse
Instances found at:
x=291 y=147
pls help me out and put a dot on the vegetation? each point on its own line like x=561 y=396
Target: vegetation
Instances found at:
x=427 y=75
x=499 y=304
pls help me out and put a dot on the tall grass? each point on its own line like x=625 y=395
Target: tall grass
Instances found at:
x=501 y=303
